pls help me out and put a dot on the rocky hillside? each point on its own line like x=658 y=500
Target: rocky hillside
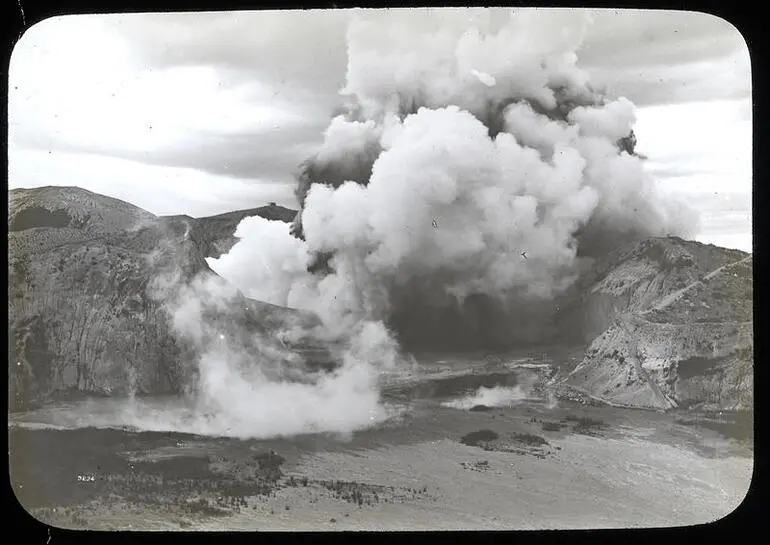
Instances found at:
x=84 y=316
x=215 y=235
x=669 y=324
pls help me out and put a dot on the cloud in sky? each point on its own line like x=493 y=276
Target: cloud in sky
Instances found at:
x=67 y=93
x=236 y=100
x=693 y=143
x=162 y=190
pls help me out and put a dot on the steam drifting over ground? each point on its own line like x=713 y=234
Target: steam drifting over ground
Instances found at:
x=497 y=396
x=471 y=163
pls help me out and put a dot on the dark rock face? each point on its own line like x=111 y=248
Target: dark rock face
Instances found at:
x=83 y=317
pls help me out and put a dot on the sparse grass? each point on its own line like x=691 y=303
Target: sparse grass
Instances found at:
x=357 y=493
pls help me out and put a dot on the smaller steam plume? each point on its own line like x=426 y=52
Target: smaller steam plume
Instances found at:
x=497 y=396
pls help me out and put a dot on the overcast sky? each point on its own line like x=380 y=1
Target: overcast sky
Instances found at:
x=201 y=113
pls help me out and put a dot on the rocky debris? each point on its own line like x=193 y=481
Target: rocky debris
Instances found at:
x=85 y=316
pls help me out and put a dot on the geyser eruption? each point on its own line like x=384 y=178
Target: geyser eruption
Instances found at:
x=455 y=197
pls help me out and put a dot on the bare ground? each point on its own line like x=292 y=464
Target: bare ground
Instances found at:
x=572 y=466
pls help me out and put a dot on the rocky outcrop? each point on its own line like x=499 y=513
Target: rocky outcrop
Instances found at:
x=84 y=315
x=215 y=235
x=670 y=325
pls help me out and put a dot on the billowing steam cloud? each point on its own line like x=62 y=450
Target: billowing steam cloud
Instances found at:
x=471 y=171
x=250 y=383
x=450 y=204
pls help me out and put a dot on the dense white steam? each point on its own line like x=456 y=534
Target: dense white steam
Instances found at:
x=446 y=200
x=471 y=161
x=242 y=388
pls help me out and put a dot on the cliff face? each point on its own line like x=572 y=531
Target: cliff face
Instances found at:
x=83 y=314
x=670 y=325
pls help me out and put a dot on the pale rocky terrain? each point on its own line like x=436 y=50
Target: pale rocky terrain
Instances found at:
x=669 y=324
x=84 y=314
x=526 y=466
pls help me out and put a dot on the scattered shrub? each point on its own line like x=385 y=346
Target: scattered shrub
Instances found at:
x=474 y=438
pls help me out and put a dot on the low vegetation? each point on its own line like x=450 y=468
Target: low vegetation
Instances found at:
x=585 y=425
x=478 y=438
x=530 y=439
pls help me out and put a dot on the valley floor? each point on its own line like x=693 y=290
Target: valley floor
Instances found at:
x=569 y=466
